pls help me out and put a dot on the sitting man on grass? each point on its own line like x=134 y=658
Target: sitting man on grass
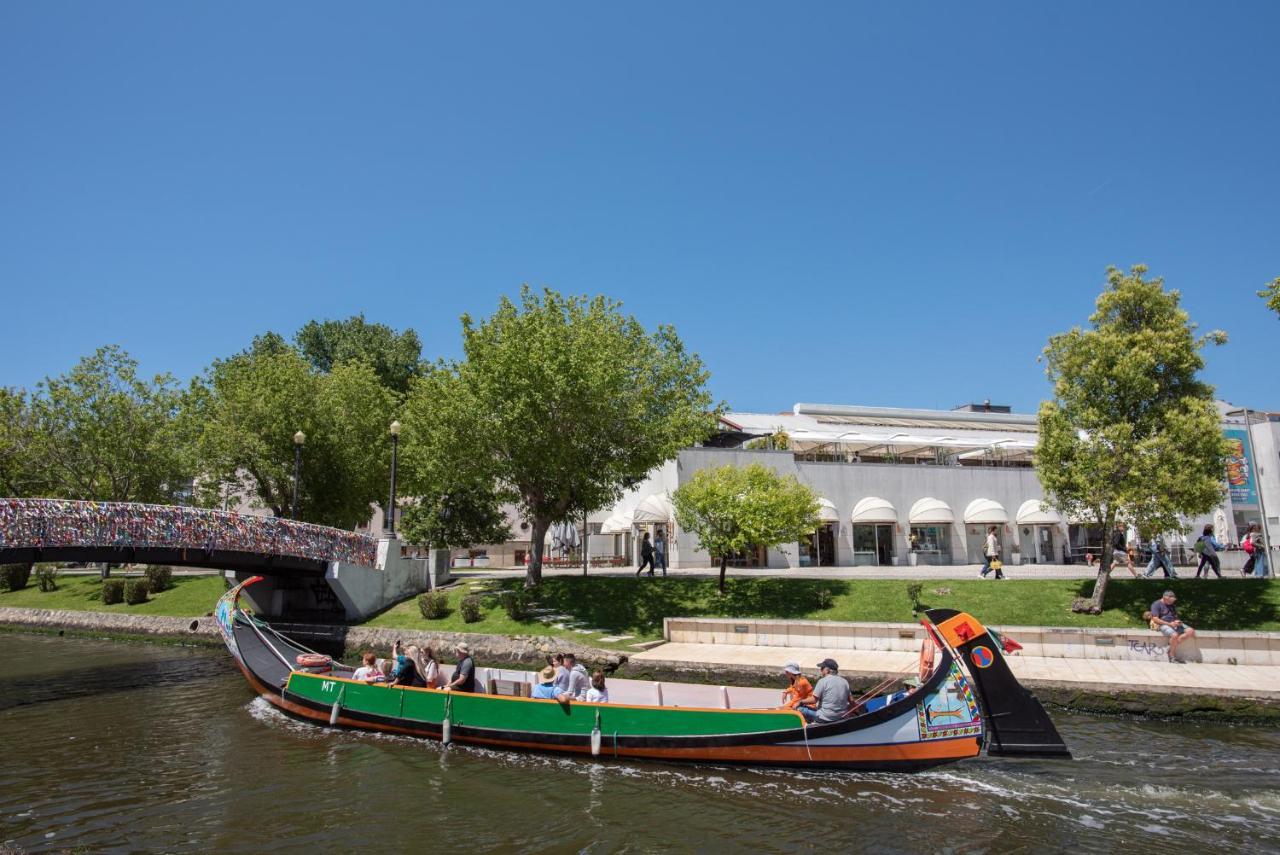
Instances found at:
x=1164 y=619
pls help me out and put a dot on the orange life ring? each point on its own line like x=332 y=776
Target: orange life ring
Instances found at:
x=313 y=660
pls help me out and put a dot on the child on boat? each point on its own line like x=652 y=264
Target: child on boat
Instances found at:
x=598 y=693
x=368 y=670
x=798 y=688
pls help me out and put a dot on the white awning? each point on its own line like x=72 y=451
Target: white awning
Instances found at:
x=931 y=510
x=1035 y=512
x=655 y=509
x=985 y=511
x=827 y=511
x=874 y=509
x=618 y=523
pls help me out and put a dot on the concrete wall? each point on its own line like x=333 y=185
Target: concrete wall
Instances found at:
x=347 y=591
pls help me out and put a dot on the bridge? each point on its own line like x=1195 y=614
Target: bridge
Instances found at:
x=352 y=574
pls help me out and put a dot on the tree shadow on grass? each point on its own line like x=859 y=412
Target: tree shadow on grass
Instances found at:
x=639 y=605
x=1220 y=604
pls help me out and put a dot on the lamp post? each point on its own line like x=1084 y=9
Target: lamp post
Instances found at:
x=391 y=505
x=298 y=439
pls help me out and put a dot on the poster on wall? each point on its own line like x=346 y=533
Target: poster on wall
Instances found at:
x=1240 y=470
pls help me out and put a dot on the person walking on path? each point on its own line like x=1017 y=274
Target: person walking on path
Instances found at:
x=1160 y=558
x=991 y=555
x=646 y=555
x=1256 y=548
x=1208 y=549
x=1120 y=550
x=660 y=550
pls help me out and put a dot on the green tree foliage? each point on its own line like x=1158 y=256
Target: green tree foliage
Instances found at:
x=464 y=516
x=1132 y=433
x=244 y=412
x=1271 y=294
x=561 y=403
x=97 y=432
x=395 y=357
x=735 y=508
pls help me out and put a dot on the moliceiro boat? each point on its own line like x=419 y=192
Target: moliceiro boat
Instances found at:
x=967 y=700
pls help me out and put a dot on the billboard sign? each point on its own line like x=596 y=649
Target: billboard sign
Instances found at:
x=1240 y=483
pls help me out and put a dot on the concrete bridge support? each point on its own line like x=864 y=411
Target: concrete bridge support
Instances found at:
x=351 y=592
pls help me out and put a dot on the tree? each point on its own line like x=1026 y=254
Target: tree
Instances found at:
x=395 y=357
x=560 y=404
x=460 y=517
x=1131 y=434
x=98 y=432
x=1271 y=294
x=246 y=409
x=734 y=508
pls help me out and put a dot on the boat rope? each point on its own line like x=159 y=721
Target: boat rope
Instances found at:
x=805 y=730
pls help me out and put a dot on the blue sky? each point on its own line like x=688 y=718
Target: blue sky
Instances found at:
x=887 y=204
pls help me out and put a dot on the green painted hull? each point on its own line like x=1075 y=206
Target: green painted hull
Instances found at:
x=527 y=716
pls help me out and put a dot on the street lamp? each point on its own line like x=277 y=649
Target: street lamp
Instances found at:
x=391 y=505
x=298 y=439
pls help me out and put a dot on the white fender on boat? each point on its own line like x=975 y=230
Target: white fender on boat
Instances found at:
x=595 y=737
x=446 y=732
x=724 y=697
x=333 y=714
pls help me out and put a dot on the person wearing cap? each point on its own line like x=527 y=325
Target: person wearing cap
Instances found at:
x=1164 y=618
x=464 y=676
x=798 y=688
x=546 y=688
x=831 y=697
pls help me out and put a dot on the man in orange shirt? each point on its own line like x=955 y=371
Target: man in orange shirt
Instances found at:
x=798 y=687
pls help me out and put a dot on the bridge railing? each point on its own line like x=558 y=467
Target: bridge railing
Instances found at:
x=43 y=523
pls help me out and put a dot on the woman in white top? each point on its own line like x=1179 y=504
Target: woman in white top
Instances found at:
x=597 y=694
x=991 y=552
x=368 y=670
x=428 y=667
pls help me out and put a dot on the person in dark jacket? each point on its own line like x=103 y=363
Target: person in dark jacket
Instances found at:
x=646 y=554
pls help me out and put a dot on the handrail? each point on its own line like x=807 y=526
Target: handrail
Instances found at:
x=45 y=523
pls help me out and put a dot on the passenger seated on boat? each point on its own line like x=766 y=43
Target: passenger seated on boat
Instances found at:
x=428 y=667
x=368 y=670
x=798 y=688
x=546 y=687
x=575 y=681
x=831 y=697
x=598 y=693
x=464 y=675
x=406 y=672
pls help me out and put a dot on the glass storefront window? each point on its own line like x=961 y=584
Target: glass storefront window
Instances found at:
x=872 y=545
x=933 y=543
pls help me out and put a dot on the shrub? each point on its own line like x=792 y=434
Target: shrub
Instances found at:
x=159 y=578
x=112 y=591
x=913 y=594
x=136 y=590
x=434 y=605
x=823 y=597
x=470 y=608
x=515 y=604
x=16 y=576
x=48 y=578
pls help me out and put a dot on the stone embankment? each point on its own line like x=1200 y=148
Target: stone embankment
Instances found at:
x=491 y=650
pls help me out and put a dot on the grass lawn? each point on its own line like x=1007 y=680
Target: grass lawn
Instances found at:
x=190 y=596
x=637 y=606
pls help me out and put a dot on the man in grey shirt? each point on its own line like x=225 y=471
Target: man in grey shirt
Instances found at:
x=831 y=697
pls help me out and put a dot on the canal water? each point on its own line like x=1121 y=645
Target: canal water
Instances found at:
x=132 y=747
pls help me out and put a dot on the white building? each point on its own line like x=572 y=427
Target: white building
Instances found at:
x=893 y=479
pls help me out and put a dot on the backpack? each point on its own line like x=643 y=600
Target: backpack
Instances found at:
x=1199 y=547
x=1248 y=545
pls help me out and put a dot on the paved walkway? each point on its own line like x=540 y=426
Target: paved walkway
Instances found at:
x=1245 y=681
x=960 y=571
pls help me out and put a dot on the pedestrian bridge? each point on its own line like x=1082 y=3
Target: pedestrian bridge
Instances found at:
x=129 y=533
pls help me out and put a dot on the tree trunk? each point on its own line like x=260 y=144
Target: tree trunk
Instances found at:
x=537 y=532
x=724 y=562
x=1093 y=605
x=586 y=536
